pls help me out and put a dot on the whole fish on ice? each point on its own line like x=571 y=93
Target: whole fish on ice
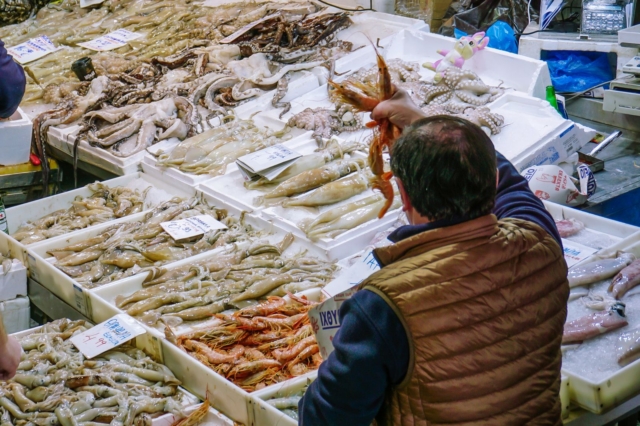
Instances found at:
x=598 y=270
x=594 y=325
x=626 y=279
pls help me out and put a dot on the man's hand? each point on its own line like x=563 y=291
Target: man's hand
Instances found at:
x=400 y=110
x=10 y=353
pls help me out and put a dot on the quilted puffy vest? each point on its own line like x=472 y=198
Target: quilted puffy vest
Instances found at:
x=483 y=304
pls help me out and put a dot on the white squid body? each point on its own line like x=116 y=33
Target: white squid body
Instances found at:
x=598 y=270
x=628 y=347
x=332 y=193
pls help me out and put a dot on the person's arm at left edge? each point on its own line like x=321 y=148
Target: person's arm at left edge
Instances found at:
x=371 y=353
x=12 y=84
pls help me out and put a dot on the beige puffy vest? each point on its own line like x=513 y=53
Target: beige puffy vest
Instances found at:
x=483 y=304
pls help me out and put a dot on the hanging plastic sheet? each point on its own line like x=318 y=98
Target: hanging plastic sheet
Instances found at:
x=472 y=16
x=575 y=71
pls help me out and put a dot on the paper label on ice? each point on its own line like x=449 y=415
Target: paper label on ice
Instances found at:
x=575 y=253
x=268 y=162
x=32 y=49
x=191 y=227
x=107 y=335
x=111 y=41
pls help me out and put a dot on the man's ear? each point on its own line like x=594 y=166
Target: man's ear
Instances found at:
x=406 y=202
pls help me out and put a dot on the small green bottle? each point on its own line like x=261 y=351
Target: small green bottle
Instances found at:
x=3 y=218
x=551 y=98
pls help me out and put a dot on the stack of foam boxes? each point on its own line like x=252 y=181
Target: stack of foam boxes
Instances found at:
x=14 y=303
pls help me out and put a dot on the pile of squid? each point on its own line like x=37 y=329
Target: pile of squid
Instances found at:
x=212 y=151
x=258 y=345
x=56 y=385
x=126 y=249
x=241 y=275
x=103 y=205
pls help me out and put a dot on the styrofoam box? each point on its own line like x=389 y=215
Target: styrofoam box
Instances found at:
x=189 y=180
x=599 y=396
x=153 y=349
x=600 y=233
x=16 y=314
x=14 y=282
x=42 y=270
x=15 y=139
x=103 y=298
x=265 y=414
x=35 y=210
x=203 y=382
x=564 y=395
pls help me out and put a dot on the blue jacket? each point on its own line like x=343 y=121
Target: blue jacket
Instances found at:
x=371 y=348
x=12 y=83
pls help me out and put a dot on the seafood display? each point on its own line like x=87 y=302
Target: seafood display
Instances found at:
x=569 y=227
x=598 y=270
x=258 y=345
x=56 y=385
x=626 y=279
x=104 y=204
x=247 y=271
x=628 y=348
x=288 y=404
x=595 y=324
x=129 y=248
x=210 y=152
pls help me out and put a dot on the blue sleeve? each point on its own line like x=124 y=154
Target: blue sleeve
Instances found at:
x=371 y=353
x=514 y=199
x=12 y=83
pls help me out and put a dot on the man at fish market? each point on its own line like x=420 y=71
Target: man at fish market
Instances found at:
x=12 y=84
x=463 y=322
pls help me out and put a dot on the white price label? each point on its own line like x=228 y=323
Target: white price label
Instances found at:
x=32 y=49
x=352 y=276
x=111 y=41
x=107 y=335
x=268 y=162
x=575 y=252
x=184 y=229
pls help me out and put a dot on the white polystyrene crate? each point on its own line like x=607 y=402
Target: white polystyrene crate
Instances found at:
x=600 y=233
x=16 y=314
x=14 y=282
x=607 y=392
x=494 y=67
x=15 y=139
x=265 y=414
x=565 y=401
x=190 y=180
x=37 y=209
x=153 y=348
x=64 y=139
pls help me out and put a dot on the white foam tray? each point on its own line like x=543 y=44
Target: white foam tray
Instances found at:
x=15 y=280
x=15 y=139
x=153 y=348
x=603 y=395
x=265 y=414
x=600 y=233
x=16 y=314
x=36 y=209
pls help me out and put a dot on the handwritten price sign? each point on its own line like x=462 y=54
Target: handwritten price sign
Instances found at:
x=107 y=335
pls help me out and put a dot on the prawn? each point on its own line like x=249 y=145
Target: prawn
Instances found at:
x=364 y=99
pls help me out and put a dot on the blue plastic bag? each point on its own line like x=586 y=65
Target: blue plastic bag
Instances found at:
x=575 y=71
x=501 y=36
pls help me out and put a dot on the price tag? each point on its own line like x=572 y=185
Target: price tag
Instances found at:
x=107 y=335
x=111 y=41
x=185 y=229
x=352 y=276
x=268 y=162
x=32 y=49
x=575 y=252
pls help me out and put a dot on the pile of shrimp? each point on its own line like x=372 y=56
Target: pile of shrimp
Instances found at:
x=258 y=345
x=364 y=98
x=56 y=385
